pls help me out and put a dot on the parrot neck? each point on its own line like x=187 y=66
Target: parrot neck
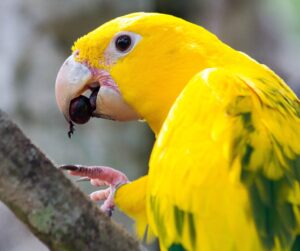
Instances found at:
x=156 y=122
x=151 y=79
x=156 y=109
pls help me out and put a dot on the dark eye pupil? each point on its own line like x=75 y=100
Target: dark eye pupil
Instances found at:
x=123 y=42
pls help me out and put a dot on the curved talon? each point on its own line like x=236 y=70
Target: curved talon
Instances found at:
x=106 y=195
x=109 y=204
x=109 y=211
x=69 y=167
x=99 y=176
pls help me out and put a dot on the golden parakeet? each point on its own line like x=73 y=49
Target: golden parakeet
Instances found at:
x=225 y=169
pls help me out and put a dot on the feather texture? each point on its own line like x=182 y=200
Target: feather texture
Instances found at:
x=224 y=172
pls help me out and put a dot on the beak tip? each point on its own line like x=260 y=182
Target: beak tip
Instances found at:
x=71 y=79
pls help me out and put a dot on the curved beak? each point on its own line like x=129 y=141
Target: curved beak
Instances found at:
x=74 y=79
x=71 y=81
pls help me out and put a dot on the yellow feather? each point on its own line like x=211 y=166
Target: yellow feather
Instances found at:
x=224 y=172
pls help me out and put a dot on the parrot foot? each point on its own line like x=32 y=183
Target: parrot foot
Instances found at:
x=100 y=176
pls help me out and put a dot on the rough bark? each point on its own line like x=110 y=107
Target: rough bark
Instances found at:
x=58 y=213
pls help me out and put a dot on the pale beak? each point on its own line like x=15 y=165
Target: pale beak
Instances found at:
x=70 y=82
x=106 y=101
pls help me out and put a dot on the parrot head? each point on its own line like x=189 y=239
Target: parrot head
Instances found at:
x=132 y=67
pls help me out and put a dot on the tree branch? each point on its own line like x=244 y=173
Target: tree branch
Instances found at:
x=58 y=213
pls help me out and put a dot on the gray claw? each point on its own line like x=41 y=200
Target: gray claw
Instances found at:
x=69 y=167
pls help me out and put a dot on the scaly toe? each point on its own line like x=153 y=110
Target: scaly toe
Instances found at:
x=100 y=195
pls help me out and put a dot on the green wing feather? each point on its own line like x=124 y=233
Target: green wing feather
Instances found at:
x=224 y=173
x=272 y=179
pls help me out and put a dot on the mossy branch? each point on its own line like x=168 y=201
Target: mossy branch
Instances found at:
x=58 y=213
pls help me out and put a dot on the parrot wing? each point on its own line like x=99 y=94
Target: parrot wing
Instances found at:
x=225 y=170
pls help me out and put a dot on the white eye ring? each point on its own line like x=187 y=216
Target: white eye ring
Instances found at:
x=117 y=49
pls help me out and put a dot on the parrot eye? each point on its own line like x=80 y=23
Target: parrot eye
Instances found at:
x=123 y=42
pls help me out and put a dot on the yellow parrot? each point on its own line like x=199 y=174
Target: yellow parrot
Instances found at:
x=224 y=172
